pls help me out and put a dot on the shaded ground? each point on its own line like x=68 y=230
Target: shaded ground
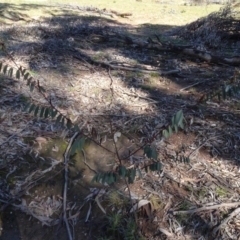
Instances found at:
x=69 y=53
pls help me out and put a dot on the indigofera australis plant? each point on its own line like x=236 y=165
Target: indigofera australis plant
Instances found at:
x=121 y=171
x=77 y=142
x=152 y=164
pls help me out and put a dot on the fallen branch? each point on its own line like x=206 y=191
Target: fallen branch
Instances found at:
x=206 y=208
x=169 y=47
x=162 y=73
x=108 y=66
x=192 y=85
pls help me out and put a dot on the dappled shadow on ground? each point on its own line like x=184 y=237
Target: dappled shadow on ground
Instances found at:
x=10 y=12
x=93 y=75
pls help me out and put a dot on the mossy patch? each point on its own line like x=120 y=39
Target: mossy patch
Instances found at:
x=221 y=192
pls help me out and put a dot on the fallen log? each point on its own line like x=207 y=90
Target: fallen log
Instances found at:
x=170 y=47
x=109 y=65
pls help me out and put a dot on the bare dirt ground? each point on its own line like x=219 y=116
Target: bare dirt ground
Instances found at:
x=106 y=83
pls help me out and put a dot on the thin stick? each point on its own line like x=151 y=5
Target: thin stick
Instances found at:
x=85 y=162
x=192 y=85
x=66 y=159
x=118 y=67
x=100 y=145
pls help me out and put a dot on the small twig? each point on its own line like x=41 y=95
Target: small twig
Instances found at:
x=85 y=162
x=88 y=65
x=97 y=143
x=144 y=145
x=54 y=175
x=66 y=159
x=206 y=208
x=162 y=73
x=142 y=97
x=192 y=85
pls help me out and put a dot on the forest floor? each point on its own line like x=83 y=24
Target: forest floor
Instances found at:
x=106 y=83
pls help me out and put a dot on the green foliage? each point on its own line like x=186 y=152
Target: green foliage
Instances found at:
x=110 y=177
x=123 y=172
x=5 y=69
x=221 y=192
x=131 y=230
x=42 y=112
x=131 y=175
x=59 y=117
x=151 y=152
x=45 y=112
x=32 y=107
x=156 y=166
x=180 y=158
x=20 y=73
x=114 y=221
x=117 y=200
x=227 y=91
x=10 y=72
x=119 y=227
x=77 y=145
x=177 y=121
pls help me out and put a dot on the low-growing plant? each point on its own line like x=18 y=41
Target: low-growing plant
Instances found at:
x=221 y=192
x=154 y=75
x=182 y=218
x=228 y=90
x=184 y=205
x=117 y=200
x=202 y=192
x=121 y=172
x=120 y=225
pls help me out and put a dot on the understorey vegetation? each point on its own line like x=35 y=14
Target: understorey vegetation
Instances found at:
x=140 y=142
